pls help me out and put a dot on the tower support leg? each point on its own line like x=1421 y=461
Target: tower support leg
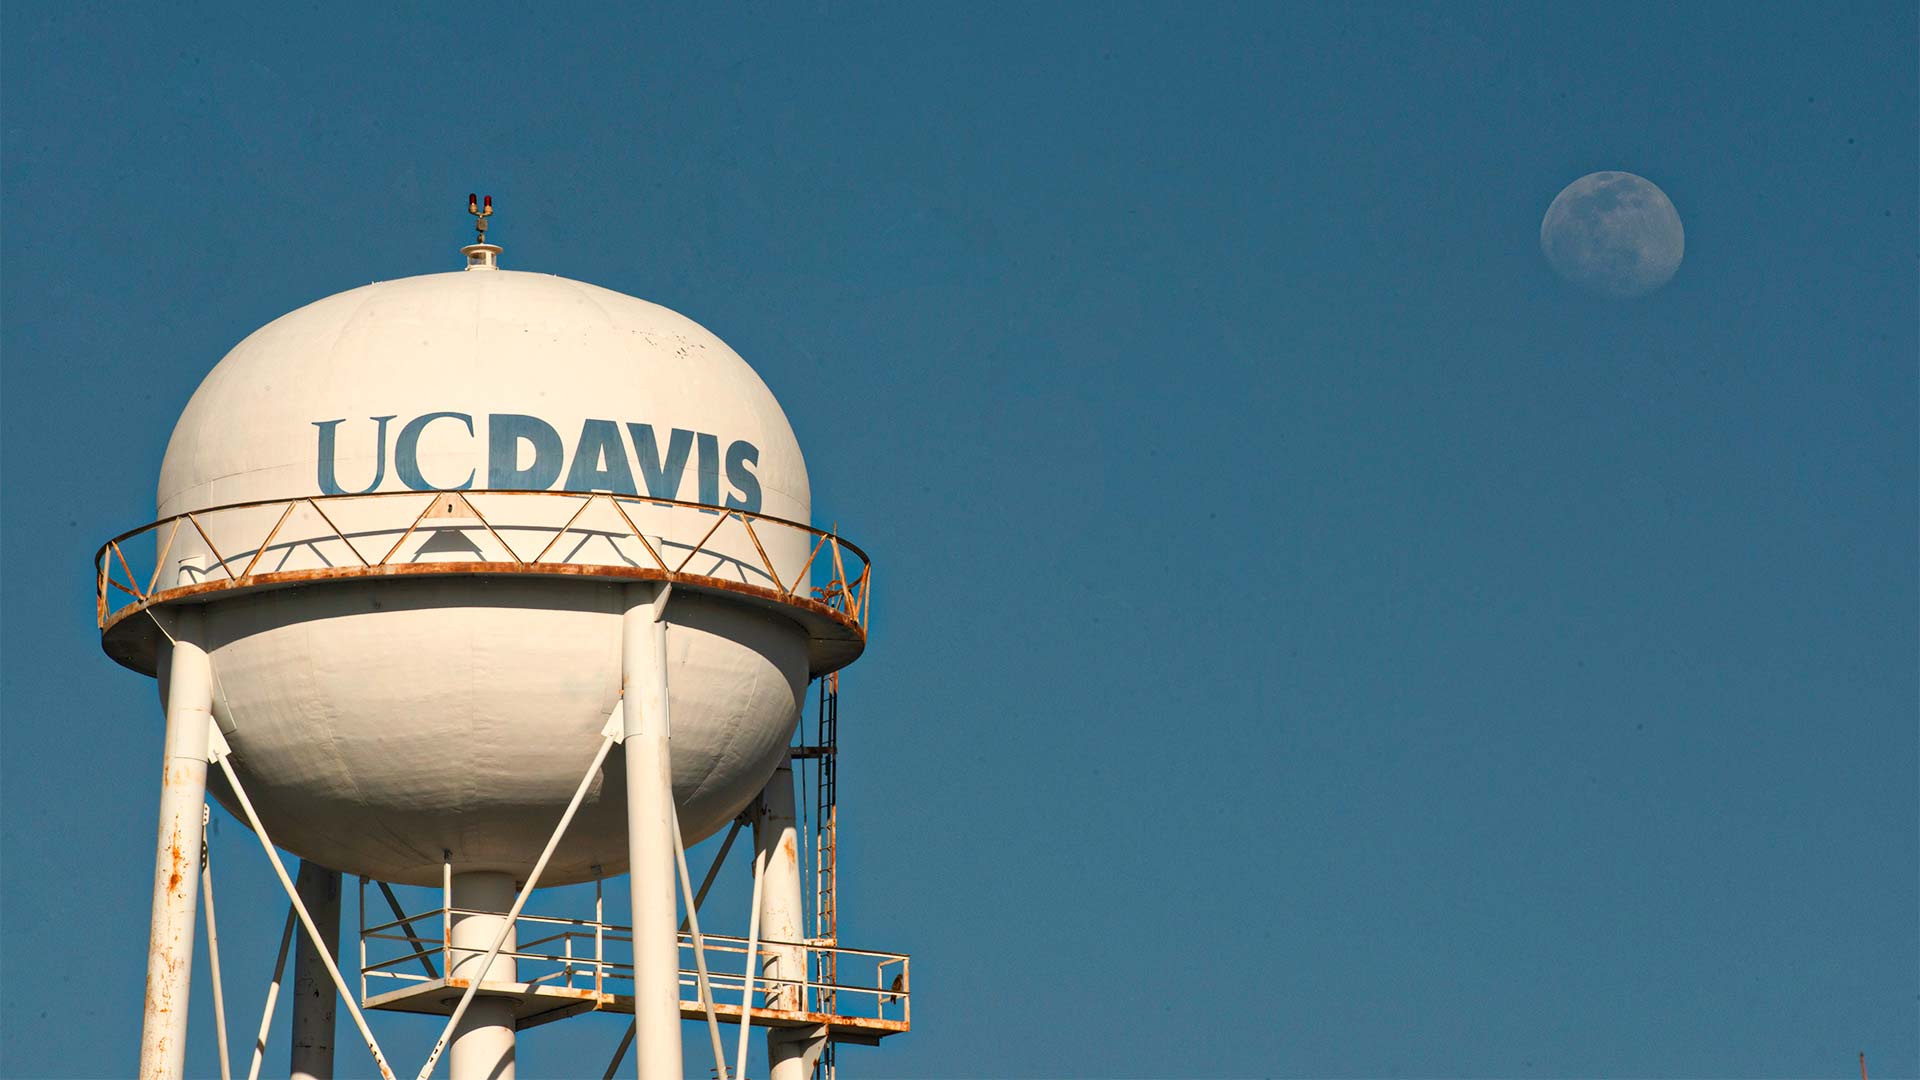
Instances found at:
x=483 y=1040
x=311 y=1057
x=782 y=919
x=188 y=687
x=645 y=731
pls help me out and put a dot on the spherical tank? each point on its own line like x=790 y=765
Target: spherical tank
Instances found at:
x=381 y=721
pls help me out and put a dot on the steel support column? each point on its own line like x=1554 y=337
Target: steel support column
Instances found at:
x=314 y=1000
x=782 y=919
x=482 y=1047
x=187 y=684
x=645 y=730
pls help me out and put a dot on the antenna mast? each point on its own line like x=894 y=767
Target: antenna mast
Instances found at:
x=480 y=254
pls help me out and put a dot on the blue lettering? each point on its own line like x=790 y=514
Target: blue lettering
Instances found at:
x=505 y=431
x=406 y=451
x=328 y=486
x=600 y=440
x=662 y=474
x=740 y=455
x=599 y=463
x=709 y=468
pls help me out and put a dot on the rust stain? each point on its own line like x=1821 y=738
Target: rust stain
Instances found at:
x=438 y=569
x=843 y=633
x=173 y=848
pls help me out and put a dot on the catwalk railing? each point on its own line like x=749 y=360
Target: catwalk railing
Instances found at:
x=592 y=955
x=562 y=533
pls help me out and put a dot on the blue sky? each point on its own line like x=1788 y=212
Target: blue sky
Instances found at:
x=1311 y=639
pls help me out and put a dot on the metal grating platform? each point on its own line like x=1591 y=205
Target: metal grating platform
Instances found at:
x=536 y=1004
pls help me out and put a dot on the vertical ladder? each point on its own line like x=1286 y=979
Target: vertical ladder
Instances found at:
x=825 y=846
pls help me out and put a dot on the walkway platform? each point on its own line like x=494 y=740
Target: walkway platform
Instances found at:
x=536 y=1004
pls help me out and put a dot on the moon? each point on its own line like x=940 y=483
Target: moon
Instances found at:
x=1613 y=233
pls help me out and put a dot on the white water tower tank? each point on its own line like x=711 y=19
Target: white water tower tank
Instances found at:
x=403 y=681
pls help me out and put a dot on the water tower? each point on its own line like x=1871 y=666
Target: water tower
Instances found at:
x=426 y=553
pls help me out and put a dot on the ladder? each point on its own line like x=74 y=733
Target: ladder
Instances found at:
x=826 y=846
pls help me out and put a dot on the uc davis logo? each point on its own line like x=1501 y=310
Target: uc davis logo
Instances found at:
x=600 y=460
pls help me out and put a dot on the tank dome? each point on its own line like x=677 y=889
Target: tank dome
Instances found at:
x=466 y=348
x=378 y=722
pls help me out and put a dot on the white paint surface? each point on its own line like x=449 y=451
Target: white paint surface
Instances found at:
x=378 y=722
x=186 y=691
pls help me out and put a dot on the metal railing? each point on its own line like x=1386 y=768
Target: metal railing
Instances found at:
x=586 y=954
x=304 y=543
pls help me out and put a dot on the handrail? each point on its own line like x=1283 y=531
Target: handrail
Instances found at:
x=878 y=999
x=847 y=597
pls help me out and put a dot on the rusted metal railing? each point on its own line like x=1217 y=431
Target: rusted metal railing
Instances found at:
x=741 y=551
